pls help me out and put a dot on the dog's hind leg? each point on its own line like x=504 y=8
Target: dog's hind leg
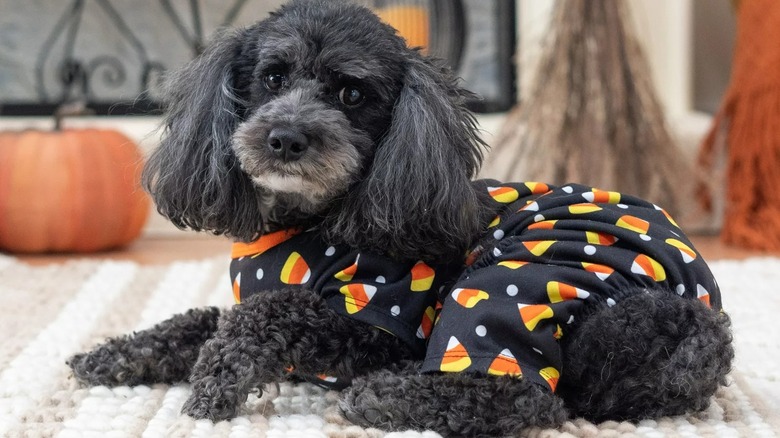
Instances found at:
x=452 y=404
x=651 y=355
x=272 y=332
x=164 y=353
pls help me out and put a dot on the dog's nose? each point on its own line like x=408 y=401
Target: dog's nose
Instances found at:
x=288 y=144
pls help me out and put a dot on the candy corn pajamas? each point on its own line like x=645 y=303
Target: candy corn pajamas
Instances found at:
x=554 y=255
x=397 y=297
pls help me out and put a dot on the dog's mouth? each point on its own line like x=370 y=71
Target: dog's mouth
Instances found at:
x=281 y=180
x=319 y=175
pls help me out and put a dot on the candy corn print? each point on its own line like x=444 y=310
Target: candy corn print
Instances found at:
x=550 y=256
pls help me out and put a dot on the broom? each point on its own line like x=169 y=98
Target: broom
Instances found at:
x=745 y=136
x=593 y=116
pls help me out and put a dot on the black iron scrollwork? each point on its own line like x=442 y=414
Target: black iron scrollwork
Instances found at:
x=77 y=77
x=64 y=74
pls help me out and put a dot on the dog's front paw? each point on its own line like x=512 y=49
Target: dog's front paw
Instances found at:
x=366 y=409
x=106 y=365
x=210 y=400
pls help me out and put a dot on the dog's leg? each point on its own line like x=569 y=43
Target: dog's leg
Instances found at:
x=450 y=403
x=259 y=340
x=651 y=355
x=164 y=353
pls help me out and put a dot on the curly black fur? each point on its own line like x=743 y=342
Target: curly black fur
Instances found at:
x=258 y=341
x=390 y=174
x=164 y=353
x=651 y=355
x=451 y=404
x=417 y=200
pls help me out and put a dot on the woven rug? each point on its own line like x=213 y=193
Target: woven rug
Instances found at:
x=48 y=313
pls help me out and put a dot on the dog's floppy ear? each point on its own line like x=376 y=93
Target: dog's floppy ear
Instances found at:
x=417 y=200
x=194 y=176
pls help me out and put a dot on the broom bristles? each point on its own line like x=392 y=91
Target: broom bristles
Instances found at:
x=593 y=116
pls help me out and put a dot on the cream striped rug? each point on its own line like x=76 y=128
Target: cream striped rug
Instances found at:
x=48 y=313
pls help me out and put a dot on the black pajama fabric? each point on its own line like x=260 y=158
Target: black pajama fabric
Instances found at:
x=397 y=297
x=553 y=256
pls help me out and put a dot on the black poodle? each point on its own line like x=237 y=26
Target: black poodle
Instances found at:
x=340 y=161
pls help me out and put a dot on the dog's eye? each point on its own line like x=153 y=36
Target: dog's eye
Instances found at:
x=274 y=81
x=351 y=96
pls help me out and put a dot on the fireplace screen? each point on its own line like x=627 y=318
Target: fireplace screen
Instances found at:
x=113 y=53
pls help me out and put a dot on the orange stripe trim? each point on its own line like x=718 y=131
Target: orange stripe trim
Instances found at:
x=263 y=244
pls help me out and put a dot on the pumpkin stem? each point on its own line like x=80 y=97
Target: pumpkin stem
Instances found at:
x=69 y=109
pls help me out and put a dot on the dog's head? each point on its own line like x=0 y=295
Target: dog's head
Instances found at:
x=320 y=115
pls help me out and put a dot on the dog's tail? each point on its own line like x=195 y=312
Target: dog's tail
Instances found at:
x=164 y=353
x=654 y=354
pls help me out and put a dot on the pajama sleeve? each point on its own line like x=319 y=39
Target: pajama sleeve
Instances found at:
x=399 y=297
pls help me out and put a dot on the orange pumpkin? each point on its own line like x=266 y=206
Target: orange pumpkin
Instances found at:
x=70 y=190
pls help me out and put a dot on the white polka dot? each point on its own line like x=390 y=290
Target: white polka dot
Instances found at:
x=610 y=302
x=496 y=252
x=511 y=290
x=395 y=310
x=498 y=234
x=330 y=251
x=645 y=237
x=381 y=279
x=589 y=196
x=680 y=289
x=568 y=189
x=623 y=206
x=590 y=249
x=538 y=218
x=260 y=274
x=481 y=330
